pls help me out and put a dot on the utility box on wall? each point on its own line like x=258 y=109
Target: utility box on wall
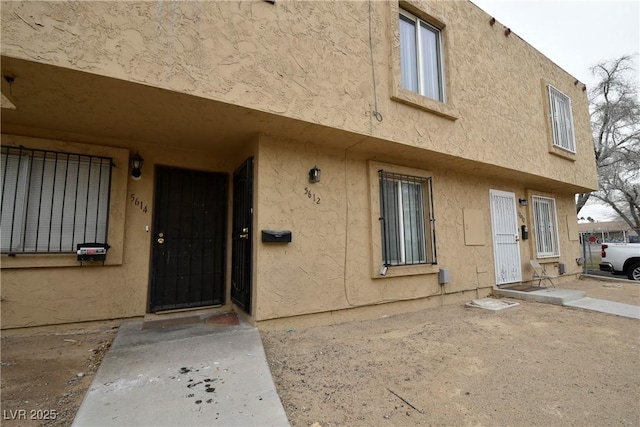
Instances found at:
x=444 y=276
x=562 y=268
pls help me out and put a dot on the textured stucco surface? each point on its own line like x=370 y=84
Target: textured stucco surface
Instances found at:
x=331 y=262
x=312 y=61
x=44 y=295
x=204 y=85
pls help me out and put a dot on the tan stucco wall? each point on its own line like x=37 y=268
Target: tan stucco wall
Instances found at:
x=312 y=61
x=34 y=294
x=330 y=263
x=304 y=63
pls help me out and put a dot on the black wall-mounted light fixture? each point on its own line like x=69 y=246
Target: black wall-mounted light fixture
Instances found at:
x=523 y=202
x=136 y=166
x=314 y=174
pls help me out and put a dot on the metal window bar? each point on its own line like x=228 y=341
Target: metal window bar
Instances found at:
x=406 y=238
x=15 y=195
x=545 y=222
x=432 y=224
x=27 y=194
x=562 y=120
x=540 y=246
x=64 y=199
x=49 y=208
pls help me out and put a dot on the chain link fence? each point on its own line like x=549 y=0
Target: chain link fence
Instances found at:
x=591 y=254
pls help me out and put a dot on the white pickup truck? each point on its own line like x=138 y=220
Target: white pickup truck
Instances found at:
x=621 y=258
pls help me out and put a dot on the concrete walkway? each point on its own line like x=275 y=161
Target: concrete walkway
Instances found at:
x=571 y=298
x=189 y=375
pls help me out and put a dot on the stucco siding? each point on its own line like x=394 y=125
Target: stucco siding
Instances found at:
x=332 y=263
x=315 y=61
x=34 y=294
x=295 y=84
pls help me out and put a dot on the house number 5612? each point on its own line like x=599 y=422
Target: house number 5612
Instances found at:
x=312 y=196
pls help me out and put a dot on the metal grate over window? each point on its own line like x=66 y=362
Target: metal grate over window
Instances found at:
x=562 y=120
x=546 y=227
x=52 y=200
x=408 y=226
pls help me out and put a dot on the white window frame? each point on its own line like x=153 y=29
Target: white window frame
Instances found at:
x=545 y=222
x=51 y=201
x=420 y=71
x=561 y=115
x=394 y=253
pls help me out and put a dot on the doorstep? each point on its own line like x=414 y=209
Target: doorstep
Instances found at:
x=545 y=295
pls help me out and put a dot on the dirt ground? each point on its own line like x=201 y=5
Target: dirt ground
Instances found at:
x=45 y=377
x=532 y=365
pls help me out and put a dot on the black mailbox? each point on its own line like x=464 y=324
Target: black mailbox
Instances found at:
x=92 y=252
x=276 y=236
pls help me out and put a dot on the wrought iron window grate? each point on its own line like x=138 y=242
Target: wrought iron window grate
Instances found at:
x=546 y=227
x=52 y=200
x=407 y=222
x=561 y=120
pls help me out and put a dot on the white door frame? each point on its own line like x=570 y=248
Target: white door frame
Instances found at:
x=506 y=246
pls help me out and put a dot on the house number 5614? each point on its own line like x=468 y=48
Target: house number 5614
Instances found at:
x=139 y=203
x=312 y=196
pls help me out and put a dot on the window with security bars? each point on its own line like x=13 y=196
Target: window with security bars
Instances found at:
x=546 y=227
x=407 y=221
x=51 y=201
x=561 y=120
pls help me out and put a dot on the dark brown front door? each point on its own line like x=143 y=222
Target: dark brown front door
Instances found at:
x=189 y=239
x=241 y=235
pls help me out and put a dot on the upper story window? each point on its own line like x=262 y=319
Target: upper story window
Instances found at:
x=421 y=57
x=561 y=120
x=406 y=219
x=51 y=201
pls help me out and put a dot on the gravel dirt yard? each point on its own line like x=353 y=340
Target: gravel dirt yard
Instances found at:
x=532 y=365
x=45 y=377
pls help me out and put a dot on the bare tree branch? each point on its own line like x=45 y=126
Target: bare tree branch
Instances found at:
x=615 y=122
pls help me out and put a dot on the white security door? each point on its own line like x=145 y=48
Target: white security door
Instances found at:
x=506 y=248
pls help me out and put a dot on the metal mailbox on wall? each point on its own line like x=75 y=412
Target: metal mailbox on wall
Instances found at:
x=92 y=252
x=276 y=236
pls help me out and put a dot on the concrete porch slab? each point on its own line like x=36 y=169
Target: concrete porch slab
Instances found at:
x=183 y=375
x=544 y=295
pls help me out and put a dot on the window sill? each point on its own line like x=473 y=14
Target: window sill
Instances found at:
x=422 y=102
x=548 y=260
x=54 y=260
x=408 y=270
x=561 y=152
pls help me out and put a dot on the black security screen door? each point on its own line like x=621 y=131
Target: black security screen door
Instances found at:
x=189 y=237
x=242 y=215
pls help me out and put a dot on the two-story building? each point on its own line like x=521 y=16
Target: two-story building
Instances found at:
x=281 y=159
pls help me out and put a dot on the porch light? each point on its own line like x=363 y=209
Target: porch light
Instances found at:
x=136 y=166
x=523 y=202
x=314 y=175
